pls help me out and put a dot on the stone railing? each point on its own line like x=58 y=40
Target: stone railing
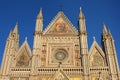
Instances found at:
x=99 y=69
x=44 y=71
x=73 y=70
x=47 y=71
x=19 y=71
x=65 y=70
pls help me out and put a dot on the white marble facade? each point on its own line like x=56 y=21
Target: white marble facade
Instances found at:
x=60 y=52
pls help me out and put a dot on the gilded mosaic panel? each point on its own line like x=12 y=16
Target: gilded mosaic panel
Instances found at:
x=22 y=60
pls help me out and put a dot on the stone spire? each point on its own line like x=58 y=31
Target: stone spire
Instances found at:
x=10 y=33
x=15 y=32
x=37 y=43
x=110 y=34
x=16 y=29
x=82 y=25
x=12 y=46
x=39 y=22
x=40 y=14
x=81 y=15
x=105 y=31
x=83 y=45
x=110 y=52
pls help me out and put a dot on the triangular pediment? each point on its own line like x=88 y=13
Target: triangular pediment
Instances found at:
x=96 y=55
x=23 y=55
x=59 y=75
x=60 y=25
x=96 y=47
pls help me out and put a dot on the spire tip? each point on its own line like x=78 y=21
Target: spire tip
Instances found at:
x=94 y=38
x=80 y=8
x=25 y=38
x=40 y=14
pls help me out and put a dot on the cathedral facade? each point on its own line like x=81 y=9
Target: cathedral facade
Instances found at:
x=60 y=52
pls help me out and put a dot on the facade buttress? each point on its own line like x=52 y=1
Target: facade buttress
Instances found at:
x=83 y=45
x=110 y=51
x=12 y=45
x=37 y=42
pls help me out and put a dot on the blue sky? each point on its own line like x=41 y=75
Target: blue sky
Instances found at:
x=25 y=12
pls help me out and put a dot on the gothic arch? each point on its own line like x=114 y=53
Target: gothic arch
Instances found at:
x=23 y=57
x=59 y=75
x=96 y=56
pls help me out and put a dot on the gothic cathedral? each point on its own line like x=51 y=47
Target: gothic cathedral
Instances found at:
x=60 y=52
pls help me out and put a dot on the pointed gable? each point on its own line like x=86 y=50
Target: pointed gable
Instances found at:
x=96 y=55
x=24 y=55
x=60 y=25
x=59 y=75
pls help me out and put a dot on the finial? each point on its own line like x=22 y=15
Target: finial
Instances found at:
x=16 y=28
x=81 y=15
x=80 y=8
x=94 y=38
x=25 y=38
x=105 y=29
x=40 y=14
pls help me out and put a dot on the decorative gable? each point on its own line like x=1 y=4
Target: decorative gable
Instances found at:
x=23 y=56
x=96 y=56
x=60 y=75
x=60 y=25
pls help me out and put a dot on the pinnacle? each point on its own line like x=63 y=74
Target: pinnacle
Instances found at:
x=10 y=33
x=60 y=12
x=109 y=33
x=40 y=14
x=81 y=15
x=25 y=38
x=105 y=29
x=16 y=28
x=94 y=38
x=82 y=25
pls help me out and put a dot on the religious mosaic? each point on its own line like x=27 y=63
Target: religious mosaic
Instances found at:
x=97 y=60
x=22 y=61
x=60 y=28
